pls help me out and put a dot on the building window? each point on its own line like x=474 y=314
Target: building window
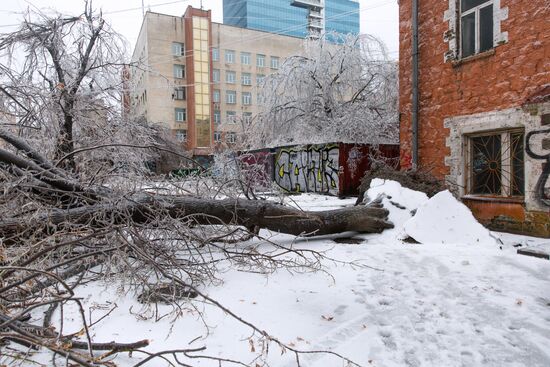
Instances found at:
x=217 y=117
x=179 y=71
x=246 y=79
x=476 y=26
x=215 y=54
x=231 y=117
x=179 y=93
x=247 y=117
x=178 y=49
x=231 y=97
x=216 y=96
x=260 y=79
x=181 y=135
x=230 y=77
x=181 y=114
x=274 y=62
x=216 y=75
x=260 y=61
x=497 y=164
x=231 y=138
x=217 y=136
x=229 y=56
x=245 y=58
x=247 y=98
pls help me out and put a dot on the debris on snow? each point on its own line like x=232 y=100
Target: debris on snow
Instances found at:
x=542 y=251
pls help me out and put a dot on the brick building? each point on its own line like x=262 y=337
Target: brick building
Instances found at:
x=483 y=111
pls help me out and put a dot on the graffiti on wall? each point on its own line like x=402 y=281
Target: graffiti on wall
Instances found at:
x=312 y=168
x=541 y=138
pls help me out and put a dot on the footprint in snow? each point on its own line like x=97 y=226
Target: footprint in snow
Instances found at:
x=340 y=310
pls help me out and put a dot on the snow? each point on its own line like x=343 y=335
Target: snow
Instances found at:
x=443 y=219
x=382 y=302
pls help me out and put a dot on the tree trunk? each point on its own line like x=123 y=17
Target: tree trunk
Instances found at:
x=248 y=213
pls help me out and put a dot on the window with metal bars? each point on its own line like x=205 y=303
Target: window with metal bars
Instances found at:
x=496 y=164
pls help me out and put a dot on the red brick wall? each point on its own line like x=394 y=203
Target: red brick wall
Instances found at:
x=502 y=80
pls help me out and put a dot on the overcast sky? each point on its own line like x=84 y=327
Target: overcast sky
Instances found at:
x=378 y=17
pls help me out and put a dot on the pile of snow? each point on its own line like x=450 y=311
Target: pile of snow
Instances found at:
x=400 y=201
x=440 y=219
x=444 y=219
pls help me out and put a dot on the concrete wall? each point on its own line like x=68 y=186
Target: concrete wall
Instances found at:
x=477 y=94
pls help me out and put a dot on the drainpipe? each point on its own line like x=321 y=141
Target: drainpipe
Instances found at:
x=414 y=117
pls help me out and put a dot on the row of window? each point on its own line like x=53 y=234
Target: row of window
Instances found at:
x=231 y=77
x=230 y=137
x=231 y=117
x=231 y=97
x=246 y=58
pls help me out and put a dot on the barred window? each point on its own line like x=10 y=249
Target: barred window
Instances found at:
x=497 y=164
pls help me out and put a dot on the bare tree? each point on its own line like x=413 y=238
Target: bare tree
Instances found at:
x=344 y=90
x=62 y=78
x=64 y=224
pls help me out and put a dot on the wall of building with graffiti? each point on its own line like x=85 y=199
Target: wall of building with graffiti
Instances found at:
x=312 y=168
x=333 y=169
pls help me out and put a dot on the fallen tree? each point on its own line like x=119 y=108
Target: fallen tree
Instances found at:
x=77 y=207
x=56 y=229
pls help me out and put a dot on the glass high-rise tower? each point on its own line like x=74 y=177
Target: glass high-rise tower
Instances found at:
x=293 y=17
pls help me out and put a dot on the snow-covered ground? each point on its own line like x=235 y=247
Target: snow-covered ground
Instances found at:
x=461 y=298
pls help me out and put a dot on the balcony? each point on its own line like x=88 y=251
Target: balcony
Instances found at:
x=315 y=25
x=308 y=4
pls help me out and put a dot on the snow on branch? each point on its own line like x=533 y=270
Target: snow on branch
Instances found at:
x=344 y=90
